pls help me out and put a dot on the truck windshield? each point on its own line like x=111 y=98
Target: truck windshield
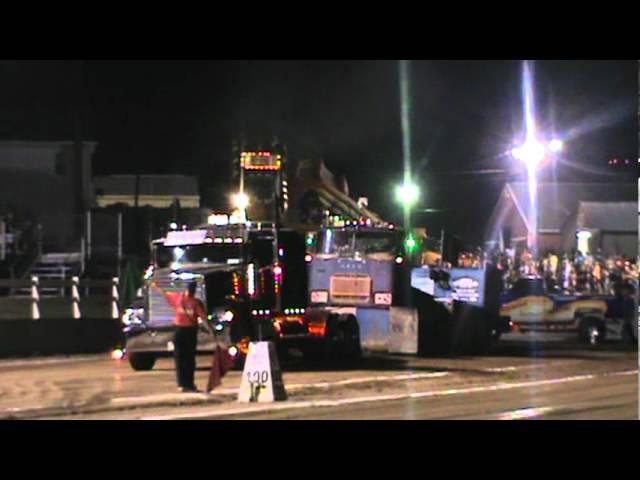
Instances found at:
x=365 y=242
x=375 y=242
x=199 y=254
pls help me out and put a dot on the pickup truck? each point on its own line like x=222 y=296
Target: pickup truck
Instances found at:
x=530 y=307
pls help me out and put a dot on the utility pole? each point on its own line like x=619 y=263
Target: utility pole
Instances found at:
x=119 y=242
x=408 y=193
x=3 y=241
x=89 y=233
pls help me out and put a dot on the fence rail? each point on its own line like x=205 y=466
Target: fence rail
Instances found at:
x=34 y=285
x=55 y=283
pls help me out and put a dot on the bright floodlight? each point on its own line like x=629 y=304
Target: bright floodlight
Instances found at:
x=531 y=153
x=407 y=194
x=556 y=146
x=240 y=201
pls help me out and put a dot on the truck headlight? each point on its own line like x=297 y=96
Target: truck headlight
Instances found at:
x=382 y=299
x=127 y=316
x=132 y=316
x=118 y=354
x=319 y=296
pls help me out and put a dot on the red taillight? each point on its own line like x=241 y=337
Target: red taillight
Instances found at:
x=236 y=284
x=317 y=330
x=277 y=278
x=308 y=258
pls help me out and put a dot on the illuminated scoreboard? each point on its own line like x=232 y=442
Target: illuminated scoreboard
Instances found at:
x=260 y=161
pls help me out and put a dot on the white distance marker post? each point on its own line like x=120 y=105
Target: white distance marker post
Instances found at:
x=115 y=298
x=262 y=378
x=35 y=299
x=75 y=298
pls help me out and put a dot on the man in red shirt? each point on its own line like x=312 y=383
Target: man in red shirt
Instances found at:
x=189 y=312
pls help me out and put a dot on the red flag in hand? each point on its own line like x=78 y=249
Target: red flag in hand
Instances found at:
x=222 y=363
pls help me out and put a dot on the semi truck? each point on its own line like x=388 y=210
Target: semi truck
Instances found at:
x=356 y=273
x=249 y=269
x=366 y=294
x=250 y=276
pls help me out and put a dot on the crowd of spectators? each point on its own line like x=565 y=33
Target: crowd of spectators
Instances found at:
x=570 y=273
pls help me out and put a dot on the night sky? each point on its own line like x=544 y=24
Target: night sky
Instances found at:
x=182 y=116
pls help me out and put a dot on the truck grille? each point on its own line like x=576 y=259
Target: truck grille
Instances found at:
x=350 y=288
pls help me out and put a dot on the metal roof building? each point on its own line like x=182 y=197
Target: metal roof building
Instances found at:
x=558 y=205
x=613 y=227
x=158 y=191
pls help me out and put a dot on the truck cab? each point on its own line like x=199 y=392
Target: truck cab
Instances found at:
x=240 y=270
x=355 y=277
x=354 y=266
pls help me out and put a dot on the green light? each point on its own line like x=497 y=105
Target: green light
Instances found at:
x=310 y=240
x=410 y=243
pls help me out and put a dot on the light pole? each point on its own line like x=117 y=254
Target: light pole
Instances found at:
x=240 y=202
x=407 y=195
x=533 y=154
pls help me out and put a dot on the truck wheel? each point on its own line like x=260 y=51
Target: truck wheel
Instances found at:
x=341 y=344
x=343 y=339
x=282 y=352
x=435 y=326
x=314 y=354
x=351 y=348
x=592 y=331
x=628 y=337
x=142 y=362
x=471 y=334
x=482 y=333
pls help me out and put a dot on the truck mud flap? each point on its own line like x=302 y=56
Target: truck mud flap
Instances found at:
x=471 y=330
x=403 y=330
x=434 y=325
x=374 y=328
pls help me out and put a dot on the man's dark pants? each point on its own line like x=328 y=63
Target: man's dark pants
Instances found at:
x=185 y=342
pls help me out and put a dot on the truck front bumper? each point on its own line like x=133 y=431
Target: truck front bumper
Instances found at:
x=161 y=342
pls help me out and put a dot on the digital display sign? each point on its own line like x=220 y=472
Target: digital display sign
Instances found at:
x=261 y=161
